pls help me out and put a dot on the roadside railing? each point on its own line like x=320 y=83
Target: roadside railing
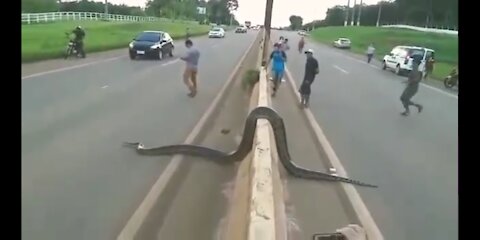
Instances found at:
x=35 y=18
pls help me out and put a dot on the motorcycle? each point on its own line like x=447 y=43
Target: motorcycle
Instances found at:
x=451 y=80
x=71 y=48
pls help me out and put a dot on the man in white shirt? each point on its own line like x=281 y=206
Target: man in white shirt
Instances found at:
x=370 y=52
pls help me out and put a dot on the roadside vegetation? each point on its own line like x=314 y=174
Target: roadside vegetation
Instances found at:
x=45 y=41
x=384 y=39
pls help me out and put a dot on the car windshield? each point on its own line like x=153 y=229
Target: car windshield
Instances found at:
x=416 y=51
x=344 y=40
x=148 y=37
x=216 y=30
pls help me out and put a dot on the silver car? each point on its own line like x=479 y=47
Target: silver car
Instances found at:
x=342 y=43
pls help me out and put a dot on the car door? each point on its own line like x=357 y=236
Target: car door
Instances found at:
x=390 y=60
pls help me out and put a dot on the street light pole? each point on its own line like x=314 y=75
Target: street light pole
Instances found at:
x=106 y=9
x=379 y=13
x=347 y=11
x=353 y=13
x=359 y=12
x=267 y=26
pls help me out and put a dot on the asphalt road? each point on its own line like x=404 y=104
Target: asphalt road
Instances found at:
x=413 y=159
x=77 y=180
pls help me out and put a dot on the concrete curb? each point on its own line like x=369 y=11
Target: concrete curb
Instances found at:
x=362 y=213
x=138 y=218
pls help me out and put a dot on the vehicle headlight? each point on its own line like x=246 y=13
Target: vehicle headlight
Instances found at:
x=130 y=45
x=155 y=46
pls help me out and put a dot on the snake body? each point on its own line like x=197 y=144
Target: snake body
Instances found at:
x=246 y=146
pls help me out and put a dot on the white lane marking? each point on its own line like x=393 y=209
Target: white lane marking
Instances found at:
x=104 y=86
x=169 y=63
x=340 y=69
x=71 y=67
x=440 y=91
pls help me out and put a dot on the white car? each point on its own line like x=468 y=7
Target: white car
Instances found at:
x=302 y=33
x=216 y=32
x=400 y=58
x=342 y=43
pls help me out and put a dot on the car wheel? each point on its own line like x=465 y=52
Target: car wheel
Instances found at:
x=384 y=65
x=170 y=53
x=132 y=55
x=159 y=54
x=398 y=71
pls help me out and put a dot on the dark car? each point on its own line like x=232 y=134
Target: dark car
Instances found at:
x=154 y=44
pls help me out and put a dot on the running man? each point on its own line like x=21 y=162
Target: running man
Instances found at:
x=279 y=58
x=311 y=70
x=412 y=88
x=370 y=52
x=191 y=68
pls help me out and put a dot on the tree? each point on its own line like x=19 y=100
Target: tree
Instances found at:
x=296 y=22
x=33 y=6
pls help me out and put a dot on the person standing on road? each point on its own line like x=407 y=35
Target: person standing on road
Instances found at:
x=413 y=83
x=191 y=68
x=311 y=70
x=429 y=66
x=187 y=33
x=370 y=52
x=278 y=57
x=301 y=44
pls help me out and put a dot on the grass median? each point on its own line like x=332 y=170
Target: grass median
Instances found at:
x=384 y=39
x=47 y=41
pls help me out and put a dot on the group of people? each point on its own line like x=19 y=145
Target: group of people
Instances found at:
x=278 y=58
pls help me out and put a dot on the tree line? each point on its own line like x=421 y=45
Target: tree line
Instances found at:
x=438 y=13
x=217 y=11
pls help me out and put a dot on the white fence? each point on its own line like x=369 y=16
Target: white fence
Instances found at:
x=422 y=29
x=32 y=18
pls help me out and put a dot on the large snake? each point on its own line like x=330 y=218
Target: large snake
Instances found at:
x=246 y=146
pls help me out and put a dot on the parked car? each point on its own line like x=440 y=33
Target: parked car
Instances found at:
x=400 y=58
x=241 y=29
x=216 y=32
x=155 y=44
x=342 y=43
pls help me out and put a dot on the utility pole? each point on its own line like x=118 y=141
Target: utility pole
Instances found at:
x=359 y=12
x=353 y=13
x=429 y=11
x=347 y=11
x=106 y=9
x=379 y=13
x=267 y=25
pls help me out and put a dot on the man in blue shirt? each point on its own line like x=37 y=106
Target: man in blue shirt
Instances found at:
x=278 y=57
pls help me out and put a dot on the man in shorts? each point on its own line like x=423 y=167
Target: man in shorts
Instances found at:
x=191 y=68
x=278 y=57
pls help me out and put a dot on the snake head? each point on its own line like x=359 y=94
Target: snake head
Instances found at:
x=132 y=144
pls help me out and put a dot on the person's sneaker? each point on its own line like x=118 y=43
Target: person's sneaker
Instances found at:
x=273 y=94
x=420 y=108
x=405 y=113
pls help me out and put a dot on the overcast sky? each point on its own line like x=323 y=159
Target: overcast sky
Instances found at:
x=254 y=10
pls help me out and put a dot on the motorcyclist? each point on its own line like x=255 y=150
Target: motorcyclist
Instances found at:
x=78 y=39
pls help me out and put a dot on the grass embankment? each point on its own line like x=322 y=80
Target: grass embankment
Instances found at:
x=384 y=39
x=46 y=41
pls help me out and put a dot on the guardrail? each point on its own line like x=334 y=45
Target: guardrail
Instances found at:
x=34 y=18
x=423 y=29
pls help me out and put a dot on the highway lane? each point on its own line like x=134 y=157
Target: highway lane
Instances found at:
x=413 y=159
x=77 y=180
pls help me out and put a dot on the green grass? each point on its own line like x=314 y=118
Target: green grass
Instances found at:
x=384 y=39
x=45 y=41
x=250 y=78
